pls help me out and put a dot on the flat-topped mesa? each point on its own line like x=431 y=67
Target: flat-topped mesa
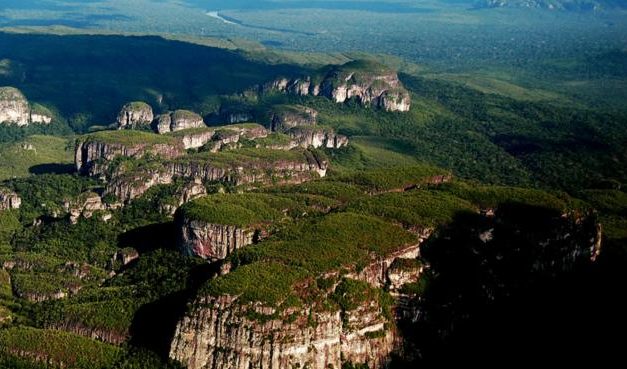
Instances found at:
x=251 y=166
x=368 y=83
x=213 y=227
x=262 y=314
x=94 y=152
x=134 y=115
x=178 y=120
x=237 y=167
x=9 y=200
x=15 y=109
x=285 y=117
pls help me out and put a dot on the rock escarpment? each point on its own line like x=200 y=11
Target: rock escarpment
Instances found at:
x=15 y=109
x=212 y=241
x=220 y=333
x=9 y=200
x=300 y=303
x=368 y=83
x=95 y=152
x=135 y=115
x=317 y=137
x=218 y=137
x=178 y=121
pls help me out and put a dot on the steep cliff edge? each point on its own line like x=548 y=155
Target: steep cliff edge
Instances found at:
x=369 y=83
x=95 y=151
x=291 y=308
x=15 y=109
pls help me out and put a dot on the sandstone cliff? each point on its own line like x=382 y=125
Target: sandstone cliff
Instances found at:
x=9 y=200
x=178 y=120
x=368 y=83
x=325 y=312
x=135 y=115
x=95 y=151
x=15 y=109
x=212 y=241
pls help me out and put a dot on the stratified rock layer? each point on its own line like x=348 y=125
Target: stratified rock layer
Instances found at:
x=368 y=83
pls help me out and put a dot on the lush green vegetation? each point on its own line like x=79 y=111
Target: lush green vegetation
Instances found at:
x=308 y=249
x=240 y=210
x=36 y=155
x=60 y=349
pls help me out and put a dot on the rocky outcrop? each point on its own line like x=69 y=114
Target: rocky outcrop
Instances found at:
x=219 y=332
x=135 y=115
x=317 y=137
x=368 y=83
x=9 y=200
x=219 y=137
x=188 y=192
x=15 y=109
x=212 y=241
x=178 y=121
x=376 y=273
x=86 y=205
x=286 y=117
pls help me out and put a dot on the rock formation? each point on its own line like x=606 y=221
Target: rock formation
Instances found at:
x=368 y=83
x=317 y=137
x=178 y=121
x=224 y=332
x=212 y=241
x=9 y=200
x=135 y=115
x=86 y=205
x=285 y=117
x=219 y=332
x=218 y=137
x=15 y=109
x=94 y=152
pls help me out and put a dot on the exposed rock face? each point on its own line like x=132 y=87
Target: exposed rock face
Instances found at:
x=368 y=83
x=376 y=273
x=92 y=155
x=9 y=200
x=221 y=136
x=212 y=241
x=15 y=109
x=178 y=121
x=84 y=206
x=262 y=172
x=135 y=114
x=287 y=117
x=218 y=334
x=317 y=137
x=403 y=271
x=190 y=191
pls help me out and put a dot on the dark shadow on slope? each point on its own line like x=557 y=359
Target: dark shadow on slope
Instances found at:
x=150 y=237
x=521 y=296
x=52 y=168
x=88 y=78
x=155 y=323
